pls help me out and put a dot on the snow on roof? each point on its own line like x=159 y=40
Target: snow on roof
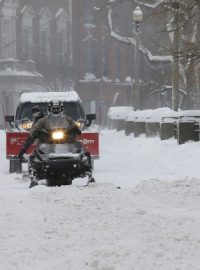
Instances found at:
x=14 y=72
x=119 y=112
x=35 y=97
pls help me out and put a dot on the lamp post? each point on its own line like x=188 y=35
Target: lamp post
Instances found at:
x=137 y=18
x=175 y=67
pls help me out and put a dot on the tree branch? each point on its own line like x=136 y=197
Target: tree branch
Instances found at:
x=129 y=40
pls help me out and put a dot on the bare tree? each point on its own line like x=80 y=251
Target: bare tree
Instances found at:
x=187 y=49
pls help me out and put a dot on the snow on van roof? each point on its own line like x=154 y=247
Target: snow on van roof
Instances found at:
x=48 y=96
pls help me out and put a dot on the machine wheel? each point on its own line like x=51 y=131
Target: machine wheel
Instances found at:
x=15 y=166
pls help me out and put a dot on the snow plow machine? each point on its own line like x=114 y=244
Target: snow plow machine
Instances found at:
x=58 y=163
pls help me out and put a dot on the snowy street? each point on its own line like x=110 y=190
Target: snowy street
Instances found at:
x=143 y=212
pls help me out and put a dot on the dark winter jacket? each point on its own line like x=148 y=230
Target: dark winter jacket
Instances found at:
x=44 y=125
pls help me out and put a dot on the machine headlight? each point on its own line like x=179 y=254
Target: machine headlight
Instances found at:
x=58 y=135
x=27 y=125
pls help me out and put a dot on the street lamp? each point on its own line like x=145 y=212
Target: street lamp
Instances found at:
x=137 y=18
x=176 y=60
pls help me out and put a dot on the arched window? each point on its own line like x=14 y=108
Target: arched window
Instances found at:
x=89 y=17
x=27 y=33
x=62 y=34
x=8 y=24
x=90 y=55
x=44 y=23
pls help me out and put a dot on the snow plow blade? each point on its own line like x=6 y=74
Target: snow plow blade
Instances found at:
x=15 y=140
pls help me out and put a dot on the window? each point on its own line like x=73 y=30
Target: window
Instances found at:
x=89 y=12
x=62 y=35
x=60 y=48
x=7 y=39
x=27 y=32
x=43 y=45
x=117 y=62
x=45 y=41
x=90 y=56
x=27 y=43
x=105 y=61
x=71 y=109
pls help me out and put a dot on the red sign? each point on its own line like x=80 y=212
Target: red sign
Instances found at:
x=90 y=142
x=15 y=140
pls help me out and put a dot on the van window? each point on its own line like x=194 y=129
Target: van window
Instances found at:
x=72 y=109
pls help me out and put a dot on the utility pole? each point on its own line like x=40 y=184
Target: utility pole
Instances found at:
x=176 y=56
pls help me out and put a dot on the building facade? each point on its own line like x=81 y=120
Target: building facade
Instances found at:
x=55 y=45
x=35 y=49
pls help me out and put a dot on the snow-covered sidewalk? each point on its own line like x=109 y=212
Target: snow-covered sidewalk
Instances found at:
x=151 y=223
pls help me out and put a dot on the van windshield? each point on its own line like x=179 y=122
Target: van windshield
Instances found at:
x=71 y=109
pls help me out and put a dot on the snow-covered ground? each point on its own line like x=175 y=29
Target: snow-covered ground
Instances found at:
x=152 y=222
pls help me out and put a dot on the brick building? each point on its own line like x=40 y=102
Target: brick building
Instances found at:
x=104 y=66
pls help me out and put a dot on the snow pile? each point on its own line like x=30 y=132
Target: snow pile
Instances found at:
x=139 y=115
x=171 y=117
x=150 y=115
x=14 y=72
x=158 y=114
x=189 y=115
x=119 y=112
x=150 y=223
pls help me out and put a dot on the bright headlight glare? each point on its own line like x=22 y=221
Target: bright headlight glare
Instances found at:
x=58 y=135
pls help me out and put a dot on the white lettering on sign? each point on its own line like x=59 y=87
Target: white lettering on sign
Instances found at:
x=16 y=141
x=86 y=141
x=13 y=140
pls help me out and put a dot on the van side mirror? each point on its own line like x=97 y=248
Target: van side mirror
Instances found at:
x=89 y=118
x=9 y=118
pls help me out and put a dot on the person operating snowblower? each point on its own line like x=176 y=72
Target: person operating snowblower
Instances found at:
x=41 y=129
